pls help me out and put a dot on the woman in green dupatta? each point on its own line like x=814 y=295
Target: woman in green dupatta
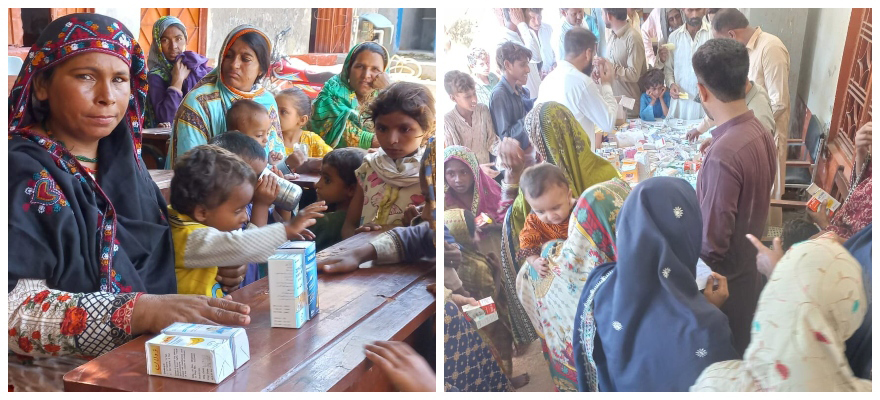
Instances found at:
x=479 y=277
x=561 y=141
x=337 y=110
x=242 y=64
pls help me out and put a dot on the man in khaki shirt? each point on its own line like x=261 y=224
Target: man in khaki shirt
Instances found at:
x=626 y=54
x=769 y=64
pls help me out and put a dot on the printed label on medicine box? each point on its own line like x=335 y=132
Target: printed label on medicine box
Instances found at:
x=310 y=264
x=820 y=196
x=288 y=297
x=237 y=337
x=482 y=314
x=189 y=357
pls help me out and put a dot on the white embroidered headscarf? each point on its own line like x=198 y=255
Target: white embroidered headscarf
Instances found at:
x=813 y=302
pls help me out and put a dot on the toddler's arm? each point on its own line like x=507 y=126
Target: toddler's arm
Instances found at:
x=209 y=247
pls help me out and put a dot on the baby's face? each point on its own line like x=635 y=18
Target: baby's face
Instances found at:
x=553 y=206
x=257 y=127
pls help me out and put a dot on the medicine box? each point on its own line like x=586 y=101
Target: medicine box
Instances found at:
x=288 y=297
x=310 y=264
x=237 y=337
x=820 y=196
x=483 y=314
x=190 y=357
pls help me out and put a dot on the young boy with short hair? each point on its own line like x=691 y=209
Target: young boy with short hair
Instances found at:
x=510 y=101
x=469 y=124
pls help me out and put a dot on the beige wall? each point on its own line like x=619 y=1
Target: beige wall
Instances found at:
x=823 y=51
x=221 y=21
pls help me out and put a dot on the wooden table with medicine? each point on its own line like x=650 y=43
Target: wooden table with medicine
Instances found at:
x=326 y=353
x=641 y=149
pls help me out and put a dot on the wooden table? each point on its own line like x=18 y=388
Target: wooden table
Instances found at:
x=162 y=177
x=155 y=146
x=326 y=354
x=307 y=181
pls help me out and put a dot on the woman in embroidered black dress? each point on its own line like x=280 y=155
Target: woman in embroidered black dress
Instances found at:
x=91 y=263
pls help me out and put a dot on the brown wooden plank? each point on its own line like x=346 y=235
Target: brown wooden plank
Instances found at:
x=16 y=30
x=162 y=177
x=787 y=203
x=798 y=163
x=369 y=304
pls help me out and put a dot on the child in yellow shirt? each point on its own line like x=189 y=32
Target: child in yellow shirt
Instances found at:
x=294 y=109
x=210 y=192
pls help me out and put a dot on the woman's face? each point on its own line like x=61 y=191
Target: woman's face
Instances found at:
x=88 y=95
x=399 y=134
x=366 y=67
x=240 y=66
x=459 y=176
x=173 y=43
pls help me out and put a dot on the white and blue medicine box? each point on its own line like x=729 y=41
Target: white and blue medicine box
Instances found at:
x=237 y=337
x=310 y=264
x=288 y=297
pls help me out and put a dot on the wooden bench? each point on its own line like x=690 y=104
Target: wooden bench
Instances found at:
x=326 y=354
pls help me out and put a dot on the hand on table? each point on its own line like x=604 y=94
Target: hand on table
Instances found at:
x=296 y=159
x=767 y=258
x=716 y=296
x=407 y=370
x=230 y=277
x=152 y=313
x=292 y=177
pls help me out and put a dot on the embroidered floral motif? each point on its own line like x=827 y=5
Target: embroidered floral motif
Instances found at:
x=702 y=353
x=678 y=212
x=666 y=272
x=617 y=325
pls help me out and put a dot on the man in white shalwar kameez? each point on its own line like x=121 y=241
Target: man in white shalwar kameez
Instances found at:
x=679 y=72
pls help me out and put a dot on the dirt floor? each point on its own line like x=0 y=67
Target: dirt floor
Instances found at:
x=534 y=364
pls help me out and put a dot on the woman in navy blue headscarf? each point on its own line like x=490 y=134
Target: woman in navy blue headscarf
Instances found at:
x=642 y=323
x=858 y=347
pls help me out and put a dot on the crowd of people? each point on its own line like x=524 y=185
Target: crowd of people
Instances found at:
x=605 y=275
x=97 y=256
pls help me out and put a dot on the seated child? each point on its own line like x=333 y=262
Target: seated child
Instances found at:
x=796 y=231
x=654 y=102
x=549 y=195
x=336 y=188
x=210 y=192
x=469 y=124
x=402 y=244
x=388 y=180
x=294 y=109
x=251 y=119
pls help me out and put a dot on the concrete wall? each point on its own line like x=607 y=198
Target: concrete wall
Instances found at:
x=823 y=51
x=221 y=21
x=418 y=29
x=789 y=25
x=130 y=17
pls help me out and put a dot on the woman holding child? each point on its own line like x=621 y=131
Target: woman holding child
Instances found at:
x=559 y=140
x=92 y=264
x=242 y=64
x=337 y=111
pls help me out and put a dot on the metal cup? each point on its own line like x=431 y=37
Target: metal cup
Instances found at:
x=289 y=194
